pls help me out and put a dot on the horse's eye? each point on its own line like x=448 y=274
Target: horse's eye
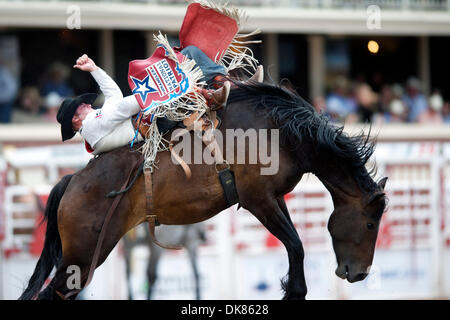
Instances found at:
x=370 y=226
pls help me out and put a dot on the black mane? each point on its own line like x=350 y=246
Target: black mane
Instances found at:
x=297 y=120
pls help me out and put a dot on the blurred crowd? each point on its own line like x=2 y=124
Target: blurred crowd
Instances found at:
x=33 y=104
x=346 y=101
x=357 y=102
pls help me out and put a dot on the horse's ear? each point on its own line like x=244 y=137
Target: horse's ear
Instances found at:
x=382 y=183
x=376 y=196
x=379 y=194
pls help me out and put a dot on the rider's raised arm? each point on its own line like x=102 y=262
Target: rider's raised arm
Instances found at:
x=108 y=86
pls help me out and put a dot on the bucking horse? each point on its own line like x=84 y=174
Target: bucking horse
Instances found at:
x=308 y=142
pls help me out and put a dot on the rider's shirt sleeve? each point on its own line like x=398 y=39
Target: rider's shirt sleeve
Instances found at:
x=114 y=111
x=108 y=86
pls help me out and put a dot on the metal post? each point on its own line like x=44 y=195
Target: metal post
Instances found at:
x=423 y=61
x=437 y=238
x=107 y=51
x=271 y=56
x=225 y=258
x=316 y=57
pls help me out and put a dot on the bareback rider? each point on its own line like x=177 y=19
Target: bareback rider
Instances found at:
x=113 y=119
x=208 y=36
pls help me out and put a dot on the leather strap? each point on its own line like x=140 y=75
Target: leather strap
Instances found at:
x=151 y=216
x=207 y=138
x=192 y=126
x=189 y=121
x=211 y=143
x=226 y=177
x=180 y=160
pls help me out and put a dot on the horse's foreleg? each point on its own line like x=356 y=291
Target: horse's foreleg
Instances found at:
x=273 y=217
x=284 y=209
x=298 y=251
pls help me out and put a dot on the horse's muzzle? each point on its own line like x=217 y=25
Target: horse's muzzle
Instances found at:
x=344 y=272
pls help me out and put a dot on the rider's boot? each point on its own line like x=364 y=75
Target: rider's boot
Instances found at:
x=216 y=99
x=257 y=77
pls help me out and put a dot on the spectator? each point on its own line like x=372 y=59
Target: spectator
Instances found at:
x=414 y=100
x=397 y=90
x=57 y=81
x=446 y=112
x=395 y=112
x=433 y=113
x=387 y=95
x=8 y=91
x=366 y=100
x=30 y=103
x=52 y=102
x=339 y=104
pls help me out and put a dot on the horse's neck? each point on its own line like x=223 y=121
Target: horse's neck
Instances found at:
x=341 y=183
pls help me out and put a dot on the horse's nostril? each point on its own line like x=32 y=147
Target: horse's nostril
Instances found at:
x=346 y=271
x=360 y=276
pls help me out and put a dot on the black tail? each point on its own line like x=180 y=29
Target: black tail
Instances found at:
x=51 y=253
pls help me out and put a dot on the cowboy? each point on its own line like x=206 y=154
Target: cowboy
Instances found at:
x=110 y=126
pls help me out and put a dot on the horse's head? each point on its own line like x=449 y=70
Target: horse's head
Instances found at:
x=353 y=226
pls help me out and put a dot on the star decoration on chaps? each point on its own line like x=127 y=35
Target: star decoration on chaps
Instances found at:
x=142 y=87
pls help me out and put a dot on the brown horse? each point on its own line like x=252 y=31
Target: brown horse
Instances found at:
x=77 y=205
